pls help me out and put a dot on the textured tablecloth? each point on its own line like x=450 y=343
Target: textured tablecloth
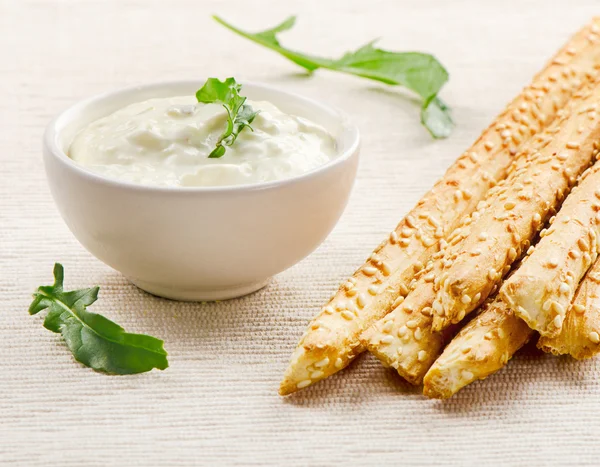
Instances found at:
x=217 y=404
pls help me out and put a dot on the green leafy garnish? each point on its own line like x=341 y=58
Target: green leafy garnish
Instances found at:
x=239 y=114
x=419 y=72
x=93 y=339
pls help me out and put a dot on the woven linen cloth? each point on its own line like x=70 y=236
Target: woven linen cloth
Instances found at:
x=217 y=404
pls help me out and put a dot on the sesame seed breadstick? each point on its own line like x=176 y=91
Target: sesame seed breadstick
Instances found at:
x=403 y=339
x=481 y=348
x=516 y=212
x=542 y=289
x=580 y=334
x=332 y=339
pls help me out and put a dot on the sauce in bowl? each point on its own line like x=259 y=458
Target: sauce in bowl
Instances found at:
x=166 y=142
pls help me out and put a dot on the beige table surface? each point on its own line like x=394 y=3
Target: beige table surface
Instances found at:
x=217 y=404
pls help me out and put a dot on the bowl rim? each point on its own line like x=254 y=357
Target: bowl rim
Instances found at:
x=53 y=148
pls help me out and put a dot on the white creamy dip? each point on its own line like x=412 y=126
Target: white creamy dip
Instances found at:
x=166 y=141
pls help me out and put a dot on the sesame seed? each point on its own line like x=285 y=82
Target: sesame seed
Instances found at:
x=328 y=310
x=399 y=351
x=422 y=356
x=339 y=363
x=537 y=218
x=552 y=263
x=557 y=321
x=587 y=259
x=404 y=242
x=465 y=299
x=427 y=242
x=509 y=205
x=406 y=232
x=574 y=254
x=547 y=304
x=564 y=288
x=412 y=324
x=558 y=308
x=393 y=237
x=402 y=331
x=361 y=300
x=418 y=334
x=467 y=375
x=322 y=363
x=488 y=145
x=386 y=340
x=403 y=289
x=573 y=145
x=483 y=236
x=388 y=326
x=317 y=374
x=437 y=308
x=578 y=308
x=369 y=270
x=373 y=289
x=385 y=269
x=303 y=384
x=347 y=315
x=410 y=221
x=351 y=292
x=477 y=297
x=594 y=337
x=408 y=308
x=398 y=301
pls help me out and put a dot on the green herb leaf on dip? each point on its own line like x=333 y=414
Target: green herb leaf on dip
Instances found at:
x=417 y=71
x=240 y=114
x=93 y=339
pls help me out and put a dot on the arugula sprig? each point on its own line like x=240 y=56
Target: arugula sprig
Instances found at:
x=419 y=72
x=94 y=340
x=239 y=114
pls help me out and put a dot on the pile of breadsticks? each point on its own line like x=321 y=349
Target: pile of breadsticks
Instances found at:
x=503 y=247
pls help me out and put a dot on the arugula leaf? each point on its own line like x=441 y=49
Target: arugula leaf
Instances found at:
x=93 y=339
x=240 y=115
x=419 y=72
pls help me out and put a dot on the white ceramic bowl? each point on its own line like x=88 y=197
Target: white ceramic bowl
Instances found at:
x=204 y=243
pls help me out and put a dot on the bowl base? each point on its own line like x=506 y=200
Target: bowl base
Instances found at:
x=199 y=294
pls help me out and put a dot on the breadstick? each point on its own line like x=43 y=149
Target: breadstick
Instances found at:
x=474 y=267
x=580 y=334
x=404 y=339
x=332 y=339
x=481 y=348
x=542 y=289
